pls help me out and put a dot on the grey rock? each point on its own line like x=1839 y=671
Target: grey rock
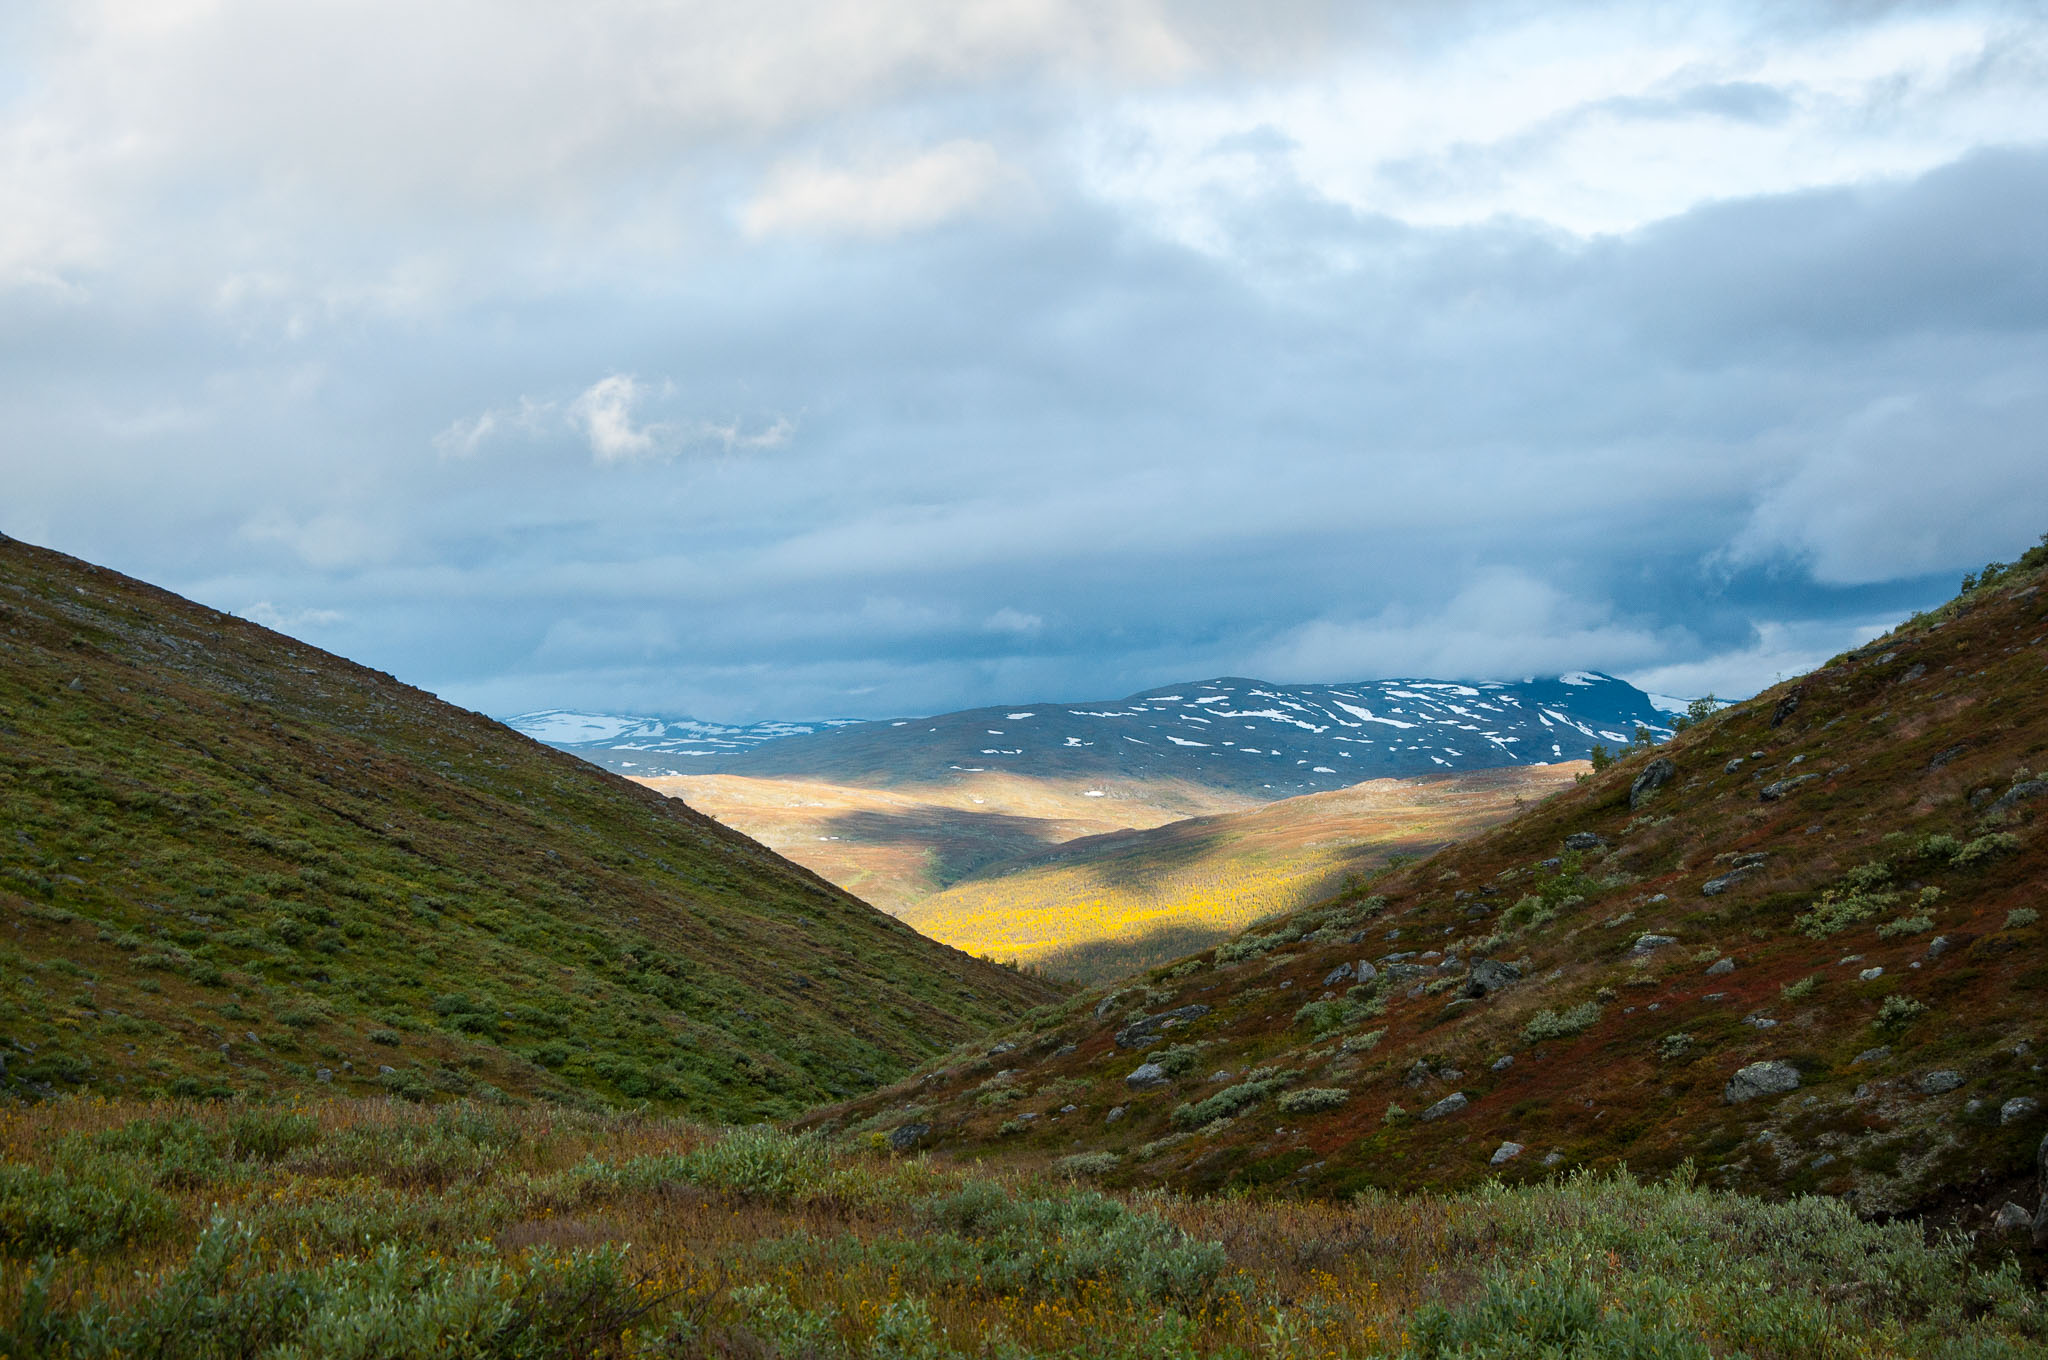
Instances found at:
x=1146 y=1077
x=1919 y=669
x=904 y=1137
x=1940 y=1081
x=1771 y=793
x=1732 y=766
x=1449 y=1105
x=1004 y=1046
x=1506 y=1152
x=1503 y=1062
x=1871 y=974
x=1551 y=863
x=1066 y=1050
x=1552 y=1158
x=1116 y=1112
x=323 y=1074
x=1364 y=972
x=1068 y=1109
x=2012 y=1218
x=1721 y=883
x=1721 y=968
x=2019 y=793
x=1650 y=944
x=1787 y=706
x=2017 y=1109
x=385 y=1071
x=1487 y=978
x=1946 y=756
x=1878 y=1054
x=1144 y=1031
x=1938 y=946
x=1343 y=972
x=1655 y=776
x=1773 y=1078
x=1585 y=840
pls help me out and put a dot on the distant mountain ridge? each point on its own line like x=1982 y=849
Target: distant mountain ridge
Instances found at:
x=1253 y=736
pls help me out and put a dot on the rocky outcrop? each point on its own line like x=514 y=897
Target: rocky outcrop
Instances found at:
x=1585 y=840
x=1145 y=1031
x=1655 y=776
x=1773 y=1078
x=1147 y=1077
x=904 y=1137
x=1771 y=793
x=1489 y=976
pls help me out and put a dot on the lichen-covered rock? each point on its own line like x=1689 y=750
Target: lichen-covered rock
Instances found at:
x=1771 y=1078
x=1489 y=976
x=1506 y=1152
x=1940 y=1081
x=1655 y=776
x=1721 y=968
x=1585 y=840
x=1449 y=1105
x=1771 y=793
x=1147 y=1077
x=904 y=1137
x=1145 y=1031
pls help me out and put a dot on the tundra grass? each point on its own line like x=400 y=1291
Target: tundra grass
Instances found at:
x=378 y=1228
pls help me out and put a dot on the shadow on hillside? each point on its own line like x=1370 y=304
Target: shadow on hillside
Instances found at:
x=958 y=842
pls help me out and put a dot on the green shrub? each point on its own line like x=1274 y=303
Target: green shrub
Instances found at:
x=1310 y=1099
x=1225 y=1103
x=51 y=1211
x=1987 y=847
x=759 y=1162
x=1250 y=947
x=1672 y=1047
x=2021 y=916
x=1322 y=1017
x=1800 y=990
x=1561 y=1025
x=1896 y=1012
x=1905 y=925
x=1087 y=1164
x=1362 y=1043
x=1859 y=895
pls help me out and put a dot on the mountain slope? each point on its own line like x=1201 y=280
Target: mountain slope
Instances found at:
x=1101 y=906
x=230 y=862
x=1812 y=959
x=1255 y=738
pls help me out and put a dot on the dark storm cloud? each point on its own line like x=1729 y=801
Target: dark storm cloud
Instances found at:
x=882 y=397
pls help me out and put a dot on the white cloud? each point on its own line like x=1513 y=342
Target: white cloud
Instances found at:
x=952 y=179
x=293 y=621
x=1010 y=620
x=1780 y=649
x=604 y=413
x=1502 y=624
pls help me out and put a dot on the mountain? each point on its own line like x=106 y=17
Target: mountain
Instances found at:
x=1250 y=736
x=652 y=746
x=1100 y=906
x=1799 y=947
x=233 y=864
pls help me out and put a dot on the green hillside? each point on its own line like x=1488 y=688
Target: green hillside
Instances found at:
x=1813 y=959
x=233 y=864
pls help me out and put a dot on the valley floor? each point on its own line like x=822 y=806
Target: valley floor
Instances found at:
x=358 y=1228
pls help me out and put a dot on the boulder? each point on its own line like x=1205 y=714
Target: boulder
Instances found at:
x=2011 y=1218
x=1147 y=1077
x=1940 y=1081
x=1650 y=944
x=2041 y=1218
x=1771 y=793
x=1341 y=973
x=1721 y=968
x=1364 y=972
x=1489 y=976
x=1507 y=1152
x=1449 y=1105
x=1585 y=840
x=1116 y=1112
x=2017 y=1109
x=1503 y=1062
x=1721 y=883
x=904 y=1137
x=1773 y=1078
x=1655 y=776
x=1868 y=1055
x=2019 y=793
x=1732 y=766
x=1787 y=706
x=1145 y=1031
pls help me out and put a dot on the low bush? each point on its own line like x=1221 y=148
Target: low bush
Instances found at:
x=52 y=1211
x=1310 y=1099
x=1561 y=1024
x=1229 y=1101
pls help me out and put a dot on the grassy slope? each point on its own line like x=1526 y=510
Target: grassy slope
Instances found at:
x=1101 y=907
x=228 y=860
x=897 y=846
x=364 y=1228
x=1915 y=736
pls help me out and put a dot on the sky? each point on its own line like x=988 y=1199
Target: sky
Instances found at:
x=755 y=359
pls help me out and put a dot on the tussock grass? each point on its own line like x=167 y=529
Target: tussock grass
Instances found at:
x=371 y=1228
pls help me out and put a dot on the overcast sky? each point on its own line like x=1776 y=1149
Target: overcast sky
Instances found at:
x=771 y=358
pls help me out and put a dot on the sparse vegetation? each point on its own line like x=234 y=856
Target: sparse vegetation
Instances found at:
x=1550 y=1024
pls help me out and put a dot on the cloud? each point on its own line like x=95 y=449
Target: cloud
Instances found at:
x=294 y=621
x=604 y=414
x=1008 y=620
x=952 y=179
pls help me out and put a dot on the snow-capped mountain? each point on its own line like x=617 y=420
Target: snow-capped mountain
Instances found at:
x=1250 y=735
x=640 y=745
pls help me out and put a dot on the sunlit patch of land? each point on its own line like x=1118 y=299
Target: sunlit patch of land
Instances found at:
x=1093 y=880
x=1102 y=906
x=895 y=847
